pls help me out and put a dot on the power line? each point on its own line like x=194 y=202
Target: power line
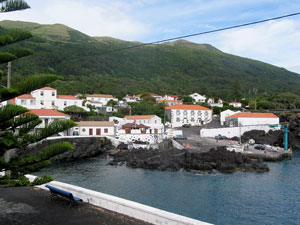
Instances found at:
x=187 y=36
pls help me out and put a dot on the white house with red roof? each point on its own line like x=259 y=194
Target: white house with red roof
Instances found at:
x=250 y=119
x=100 y=98
x=170 y=97
x=241 y=122
x=133 y=98
x=236 y=104
x=94 y=128
x=46 y=98
x=188 y=114
x=144 y=119
x=48 y=116
x=198 y=98
x=170 y=102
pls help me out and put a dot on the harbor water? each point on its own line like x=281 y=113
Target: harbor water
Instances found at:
x=240 y=198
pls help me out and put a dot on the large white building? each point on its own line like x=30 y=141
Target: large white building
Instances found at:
x=46 y=98
x=198 y=98
x=149 y=120
x=188 y=114
x=251 y=119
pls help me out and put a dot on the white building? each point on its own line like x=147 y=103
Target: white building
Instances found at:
x=149 y=120
x=132 y=98
x=198 y=98
x=94 y=128
x=99 y=98
x=251 y=119
x=236 y=104
x=46 y=98
x=48 y=116
x=225 y=114
x=170 y=97
x=213 y=103
x=188 y=114
x=170 y=102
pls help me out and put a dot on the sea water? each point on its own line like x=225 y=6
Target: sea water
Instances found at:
x=239 y=198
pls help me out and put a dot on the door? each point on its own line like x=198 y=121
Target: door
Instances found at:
x=91 y=131
x=98 y=131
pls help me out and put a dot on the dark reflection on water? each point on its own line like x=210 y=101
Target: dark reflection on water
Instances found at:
x=240 y=198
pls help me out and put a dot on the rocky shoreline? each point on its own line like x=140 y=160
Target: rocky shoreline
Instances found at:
x=275 y=138
x=172 y=159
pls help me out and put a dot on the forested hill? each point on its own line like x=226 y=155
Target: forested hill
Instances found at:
x=178 y=67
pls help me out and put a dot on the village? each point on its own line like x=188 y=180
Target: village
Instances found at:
x=148 y=130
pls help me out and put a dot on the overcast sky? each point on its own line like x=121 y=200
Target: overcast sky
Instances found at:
x=276 y=42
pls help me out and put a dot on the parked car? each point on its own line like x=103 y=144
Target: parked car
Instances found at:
x=260 y=147
x=220 y=137
x=180 y=137
x=186 y=125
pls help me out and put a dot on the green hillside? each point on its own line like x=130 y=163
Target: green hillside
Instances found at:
x=179 y=67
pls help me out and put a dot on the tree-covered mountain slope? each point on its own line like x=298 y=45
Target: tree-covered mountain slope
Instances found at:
x=179 y=67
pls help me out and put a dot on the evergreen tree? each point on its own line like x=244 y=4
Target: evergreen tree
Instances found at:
x=236 y=91
x=13 y=5
x=17 y=126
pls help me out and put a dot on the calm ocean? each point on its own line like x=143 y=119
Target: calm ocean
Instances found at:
x=239 y=198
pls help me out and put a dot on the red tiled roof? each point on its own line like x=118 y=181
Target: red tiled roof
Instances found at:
x=25 y=96
x=12 y=101
x=187 y=107
x=47 y=88
x=67 y=97
x=47 y=112
x=139 y=117
x=253 y=115
x=153 y=94
x=173 y=96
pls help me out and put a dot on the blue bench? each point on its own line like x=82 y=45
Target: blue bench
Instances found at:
x=66 y=194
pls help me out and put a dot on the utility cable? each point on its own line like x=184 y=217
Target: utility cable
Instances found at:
x=189 y=35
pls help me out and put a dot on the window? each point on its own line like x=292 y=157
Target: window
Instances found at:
x=23 y=102
x=177 y=112
x=177 y=119
x=42 y=93
x=32 y=102
x=46 y=122
x=192 y=120
x=65 y=103
x=192 y=113
x=53 y=93
x=53 y=103
x=199 y=113
x=105 y=130
x=83 y=130
x=42 y=102
x=185 y=112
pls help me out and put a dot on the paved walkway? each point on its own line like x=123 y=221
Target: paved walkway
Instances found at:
x=33 y=206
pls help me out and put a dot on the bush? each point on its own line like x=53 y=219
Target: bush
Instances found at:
x=42 y=180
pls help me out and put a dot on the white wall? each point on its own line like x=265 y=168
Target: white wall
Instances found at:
x=243 y=121
x=50 y=120
x=153 y=121
x=134 y=136
x=123 y=206
x=27 y=103
x=230 y=132
x=61 y=103
x=226 y=113
x=84 y=130
x=47 y=98
x=198 y=115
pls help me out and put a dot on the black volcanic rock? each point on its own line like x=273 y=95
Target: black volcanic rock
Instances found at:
x=173 y=159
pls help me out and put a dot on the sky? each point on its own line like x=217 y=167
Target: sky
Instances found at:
x=275 y=42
